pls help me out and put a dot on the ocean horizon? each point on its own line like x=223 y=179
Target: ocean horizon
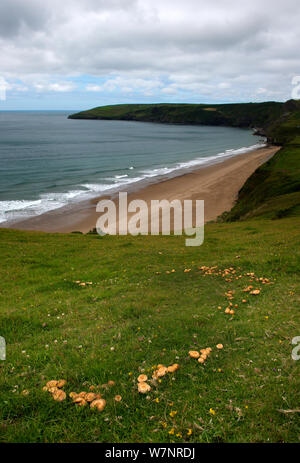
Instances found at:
x=48 y=161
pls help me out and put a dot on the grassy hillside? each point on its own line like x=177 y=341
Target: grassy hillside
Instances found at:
x=273 y=191
x=150 y=303
x=235 y=115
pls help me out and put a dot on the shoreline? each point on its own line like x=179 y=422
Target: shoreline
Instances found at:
x=218 y=184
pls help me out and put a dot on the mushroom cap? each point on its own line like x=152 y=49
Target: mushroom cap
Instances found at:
x=203 y=356
x=161 y=371
x=52 y=383
x=111 y=383
x=201 y=360
x=142 y=378
x=255 y=292
x=171 y=369
x=143 y=388
x=232 y=312
x=219 y=346
x=73 y=395
x=118 y=398
x=99 y=404
x=82 y=394
x=160 y=366
x=80 y=401
x=52 y=389
x=45 y=389
x=90 y=396
x=61 y=383
x=227 y=310
x=59 y=395
x=194 y=354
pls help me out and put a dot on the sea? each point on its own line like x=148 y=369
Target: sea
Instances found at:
x=48 y=161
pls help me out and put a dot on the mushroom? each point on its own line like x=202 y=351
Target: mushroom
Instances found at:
x=142 y=378
x=201 y=360
x=72 y=395
x=111 y=383
x=219 y=346
x=194 y=354
x=255 y=292
x=52 y=383
x=143 y=388
x=173 y=368
x=99 y=404
x=118 y=398
x=161 y=372
x=80 y=401
x=59 y=395
x=52 y=389
x=61 y=383
x=90 y=396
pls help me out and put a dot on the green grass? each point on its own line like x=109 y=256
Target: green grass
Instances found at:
x=149 y=316
x=273 y=190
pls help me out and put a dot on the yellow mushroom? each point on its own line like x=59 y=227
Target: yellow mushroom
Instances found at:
x=194 y=354
x=201 y=360
x=142 y=378
x=52 y=389
x=118 y=398
x=143 y=388
x=73 y=395
x=90 y=396
x=61 y=383
x=172 y=368
x=59 y=395
x=219 y=346
x=161 y=372
x=99 y=404
x=80 y=401
x=255 y=292
x=52 y=383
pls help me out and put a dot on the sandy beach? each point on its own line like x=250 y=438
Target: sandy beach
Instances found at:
x=218 y=185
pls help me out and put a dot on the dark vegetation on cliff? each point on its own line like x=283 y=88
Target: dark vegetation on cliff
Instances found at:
x=233 y=115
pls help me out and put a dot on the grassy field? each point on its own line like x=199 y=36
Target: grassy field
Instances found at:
x=138 y=313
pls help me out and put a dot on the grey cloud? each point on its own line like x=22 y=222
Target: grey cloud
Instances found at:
x=209 y=43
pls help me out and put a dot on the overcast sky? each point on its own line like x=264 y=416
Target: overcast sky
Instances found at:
x=76 y=54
